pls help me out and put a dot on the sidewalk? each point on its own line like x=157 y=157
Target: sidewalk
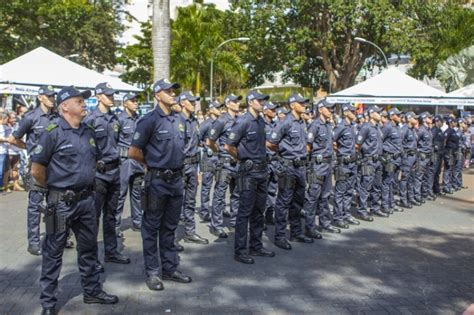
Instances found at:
x=417 y=262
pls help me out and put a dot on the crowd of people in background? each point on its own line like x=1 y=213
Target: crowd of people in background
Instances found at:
x=12 y=159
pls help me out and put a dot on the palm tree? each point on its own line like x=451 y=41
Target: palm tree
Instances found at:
x=458 y=70
x=161 y=39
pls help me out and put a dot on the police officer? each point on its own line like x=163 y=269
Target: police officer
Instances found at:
x=434 y=168
x=226 y=169
x=369 y=143
x=409 y=160
x=191 y=161
x=33 y=125
x=425 y=149
x=459 y=155
x=346 y=169
x=208 y=160
x=281 y=113
x=392 y=152
x=288 y=139
x=320 y=147
x=106 y=126
x=131 y=172
x=159 y=143
x=64 y=162
x=246 y=143
x=452 y=146
x=269 y=117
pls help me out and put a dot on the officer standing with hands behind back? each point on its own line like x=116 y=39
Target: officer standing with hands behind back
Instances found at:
x=106 y=127
x=159 y=143
x=246 y=143
x=64 y=163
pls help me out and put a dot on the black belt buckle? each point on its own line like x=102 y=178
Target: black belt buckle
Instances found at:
x=69 y=197
x=168 y=174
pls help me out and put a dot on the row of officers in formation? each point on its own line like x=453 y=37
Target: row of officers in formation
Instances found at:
x=280 y=170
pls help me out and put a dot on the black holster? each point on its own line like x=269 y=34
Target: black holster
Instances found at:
x=314 y=178
x=145 y=192
x=367 y=170
x=54 y=222
x=286 y=182
x=246 y=183
x=339 y=174
x=222 y=175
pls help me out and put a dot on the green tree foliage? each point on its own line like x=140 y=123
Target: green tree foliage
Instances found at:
x=87 y=28
x=291 y=36
x=457 y=71
x=198 y=29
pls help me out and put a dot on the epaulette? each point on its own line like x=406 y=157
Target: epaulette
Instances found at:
x=51 y=127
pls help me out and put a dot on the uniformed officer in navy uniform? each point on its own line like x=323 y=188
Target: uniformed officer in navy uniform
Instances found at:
x=33 y=125
x=159 y=143
x=370 y=145
x=131 y=172
x=439 y=142
x=191 y=161
x=246 y=143
x=209 y=160
x=269 y=116
x=409 y=160
x=392 y=153
x=320 y=147
x=64 y=164
x=288 y=139
x=281 y=113
x=226 y=170
x=106 y=126
x=459 y=155
x=345 y=172
x=425 y=150
x=452 y=146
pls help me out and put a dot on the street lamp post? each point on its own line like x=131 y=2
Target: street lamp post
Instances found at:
x=239 y=39
x=363 y=40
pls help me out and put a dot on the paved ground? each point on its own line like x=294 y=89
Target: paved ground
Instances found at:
x=417 y=262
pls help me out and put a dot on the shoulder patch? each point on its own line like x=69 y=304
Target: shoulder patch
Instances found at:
x=51 y=127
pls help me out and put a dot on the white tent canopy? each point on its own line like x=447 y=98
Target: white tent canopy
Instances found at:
x=395 y=87
x=43 y=67
x=467 y=91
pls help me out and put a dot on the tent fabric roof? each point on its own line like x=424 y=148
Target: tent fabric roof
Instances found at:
x=467 y=91
x=391 y=83
x=43 y=67
x=395 y=87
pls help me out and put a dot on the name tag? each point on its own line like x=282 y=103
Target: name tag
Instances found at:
x=65 y=146
x=163 y=131
x=99 y=129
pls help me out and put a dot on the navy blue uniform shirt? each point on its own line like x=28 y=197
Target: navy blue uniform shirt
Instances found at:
x=452 y=139
x=220 y=131
x=370 y=139
x=425 y=140
x=127 y=128
x=392 y=138
x=32 y=125
x=192 y=135
x=106 y=127
x=320 y=137
x=248 y=136
x=290 y=136
x=161 y=138
x=269 y=127
x=439 y=139
x=409 y=141
x=344 y=136
x=69 y=154
x=204 y=130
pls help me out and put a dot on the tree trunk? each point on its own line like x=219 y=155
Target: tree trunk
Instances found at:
x=161 y=39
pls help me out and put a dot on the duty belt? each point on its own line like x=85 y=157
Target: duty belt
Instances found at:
x=229 y=160
x=191 y=160
x=319 y=159
x=166 y=174
x=346 y=159
x=69 y=196
x=103 y=167
x=249 y=165
x=123 y=152
x=424 y=155
x=411 y=152
x=373 y=158
x=393 y=155
x=296 y=162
